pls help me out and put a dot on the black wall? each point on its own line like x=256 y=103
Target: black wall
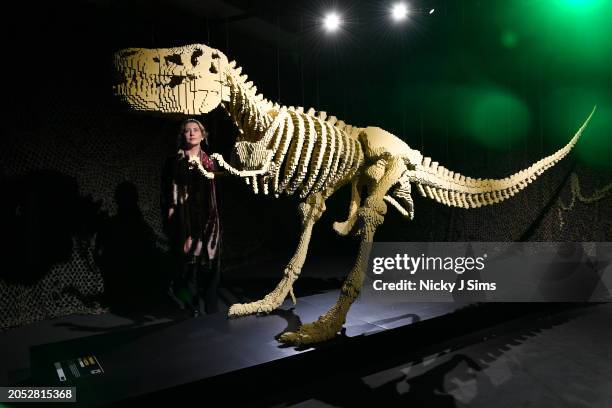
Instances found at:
x=70 y=153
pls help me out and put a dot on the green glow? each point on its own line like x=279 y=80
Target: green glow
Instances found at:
x=570 y=49
x=509 y=39
x=569 y=36
x=596 y=147
x=492 y=117
x=580 y=4
x=486 y=115
x=566 y=109
x=497 y=120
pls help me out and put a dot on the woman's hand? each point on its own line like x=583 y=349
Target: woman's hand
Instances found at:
x=187 y=244
x=194 y=162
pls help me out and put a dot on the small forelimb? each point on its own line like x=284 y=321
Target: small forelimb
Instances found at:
x=194 y=162
x=267 y=168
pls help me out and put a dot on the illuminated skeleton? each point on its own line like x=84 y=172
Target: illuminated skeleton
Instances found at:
x=284 y=150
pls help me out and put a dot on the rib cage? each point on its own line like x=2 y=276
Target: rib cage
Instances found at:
x=309 y=155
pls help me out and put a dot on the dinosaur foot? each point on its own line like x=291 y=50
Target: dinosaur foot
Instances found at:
x=244 y=309
x=325 y=328
x=266 y=305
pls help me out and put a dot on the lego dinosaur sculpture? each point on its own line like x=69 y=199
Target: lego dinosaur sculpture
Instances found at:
x=285 y=150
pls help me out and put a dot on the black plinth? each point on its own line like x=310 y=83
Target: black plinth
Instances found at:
x=212 y=354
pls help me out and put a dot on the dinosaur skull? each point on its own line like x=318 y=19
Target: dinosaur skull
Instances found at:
x=189 y=79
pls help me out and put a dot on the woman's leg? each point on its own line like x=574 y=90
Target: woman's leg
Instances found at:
x=210 y=282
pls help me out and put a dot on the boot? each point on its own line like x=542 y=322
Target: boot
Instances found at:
x=210 y=280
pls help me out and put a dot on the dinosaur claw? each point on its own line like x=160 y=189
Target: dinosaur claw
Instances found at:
x=295 y=338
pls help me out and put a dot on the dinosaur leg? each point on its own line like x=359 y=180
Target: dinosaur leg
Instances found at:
x=344 y=228
x=311 y=211
x=370 y=216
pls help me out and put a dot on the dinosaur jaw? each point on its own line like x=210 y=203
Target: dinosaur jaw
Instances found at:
x=189 y=80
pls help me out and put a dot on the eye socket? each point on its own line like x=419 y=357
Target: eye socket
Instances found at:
x=174 y=58
x=215 y=55
x=194 y=57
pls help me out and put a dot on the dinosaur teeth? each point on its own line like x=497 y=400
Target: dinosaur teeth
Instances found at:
x=421 y=190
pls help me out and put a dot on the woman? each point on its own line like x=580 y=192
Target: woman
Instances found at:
x=191 y=220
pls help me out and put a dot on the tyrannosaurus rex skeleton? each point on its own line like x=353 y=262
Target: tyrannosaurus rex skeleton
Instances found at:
x=284 y=150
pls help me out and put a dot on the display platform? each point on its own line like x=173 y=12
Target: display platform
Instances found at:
x=208 y=356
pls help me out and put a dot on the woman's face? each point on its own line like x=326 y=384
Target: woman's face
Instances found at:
x=193 y=134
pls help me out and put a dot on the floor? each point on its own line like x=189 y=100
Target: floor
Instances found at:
x=560 y=359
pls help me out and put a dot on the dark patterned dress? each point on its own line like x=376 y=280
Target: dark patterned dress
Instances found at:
x=193 y=229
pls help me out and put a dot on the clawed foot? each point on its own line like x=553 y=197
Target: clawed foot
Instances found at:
x=244 y=309
x=266 y=305
x=310 y=333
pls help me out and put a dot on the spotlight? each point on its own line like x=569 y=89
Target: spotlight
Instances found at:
x=432 y=11
x=331 y=22
x=399 y=11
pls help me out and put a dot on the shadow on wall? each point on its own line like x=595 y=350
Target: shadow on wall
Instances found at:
x=42 y=213
x=46 y=265
x=134 y=269
x=50 y=266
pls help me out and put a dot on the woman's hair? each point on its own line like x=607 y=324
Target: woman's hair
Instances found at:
x=180 y=141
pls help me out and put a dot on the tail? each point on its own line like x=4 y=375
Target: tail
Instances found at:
x=454 y=189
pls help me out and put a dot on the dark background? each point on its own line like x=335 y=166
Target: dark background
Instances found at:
x=80 y=172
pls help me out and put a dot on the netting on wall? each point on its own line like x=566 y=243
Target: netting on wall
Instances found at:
x=64 y=290
x=540 y=212
x=579 y=198
x=60 y=177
